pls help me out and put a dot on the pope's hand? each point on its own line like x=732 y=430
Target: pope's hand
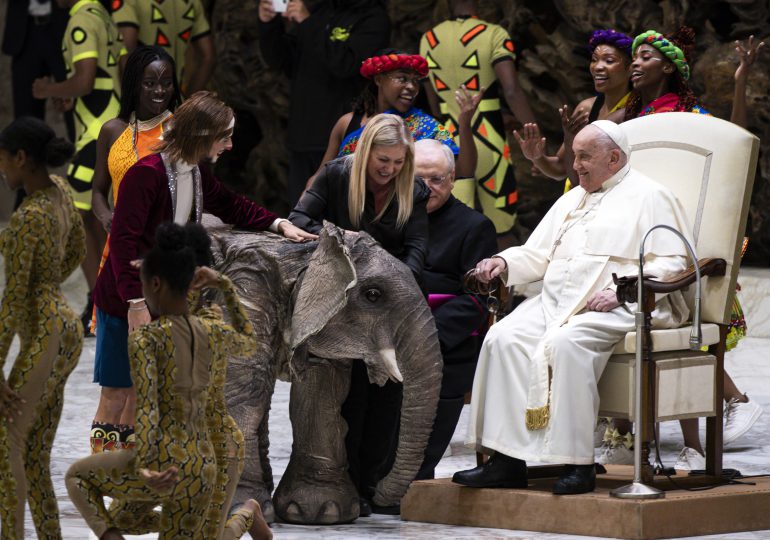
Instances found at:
x=488 y=269
x=605 y=300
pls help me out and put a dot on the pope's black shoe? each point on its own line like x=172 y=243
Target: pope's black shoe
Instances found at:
x=500 y=471
x=576 y=479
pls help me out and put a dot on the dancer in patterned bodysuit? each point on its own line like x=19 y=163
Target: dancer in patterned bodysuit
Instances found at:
x=42 y=245
x=172 y=363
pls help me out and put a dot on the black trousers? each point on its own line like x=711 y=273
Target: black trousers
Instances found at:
x=372 y=414
x=302 y=165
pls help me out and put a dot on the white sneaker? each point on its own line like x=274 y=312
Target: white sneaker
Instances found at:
x=690 y=460
x=738 y=419
x=616 y=455
x=602 y=424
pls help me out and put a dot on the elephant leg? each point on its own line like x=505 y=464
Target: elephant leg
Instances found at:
x=316 y=487
x=249 y=392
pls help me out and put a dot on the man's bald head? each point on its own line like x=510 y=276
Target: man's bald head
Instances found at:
x=435 y=163
x=598 y=156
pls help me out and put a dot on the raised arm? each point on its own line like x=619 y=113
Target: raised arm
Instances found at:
x=467 y=159
x=532 y=145
x=747 y=56
x=237 y=338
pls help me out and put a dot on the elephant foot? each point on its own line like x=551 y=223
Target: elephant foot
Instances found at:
x=316 y=501
x=328 y=514
x=268 y=511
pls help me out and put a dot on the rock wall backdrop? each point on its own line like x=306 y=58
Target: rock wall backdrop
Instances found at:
x=550 y=37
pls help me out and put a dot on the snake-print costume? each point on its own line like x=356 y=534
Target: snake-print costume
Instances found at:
x=43 y=244
x=173 y=361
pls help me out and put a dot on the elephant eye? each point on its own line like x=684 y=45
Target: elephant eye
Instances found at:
x=372 y=294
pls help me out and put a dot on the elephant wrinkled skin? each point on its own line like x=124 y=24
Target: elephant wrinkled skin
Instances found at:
x=316 y=307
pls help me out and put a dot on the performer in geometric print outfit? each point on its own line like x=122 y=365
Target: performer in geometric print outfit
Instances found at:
x=172 y=360
x=477 y=54
x=41 y=247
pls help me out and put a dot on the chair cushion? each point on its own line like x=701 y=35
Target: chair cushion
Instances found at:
x=669 y=339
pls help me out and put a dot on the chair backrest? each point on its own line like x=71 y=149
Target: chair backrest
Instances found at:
x=710 y=166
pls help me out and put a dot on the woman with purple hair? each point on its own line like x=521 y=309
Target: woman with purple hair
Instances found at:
x=610 y=61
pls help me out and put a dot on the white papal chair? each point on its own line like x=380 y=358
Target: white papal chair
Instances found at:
x=710 y=166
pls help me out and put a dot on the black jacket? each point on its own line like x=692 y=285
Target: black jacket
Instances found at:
x=327 y=199
x=459 y=238
x=16 y=25
x=322 y=57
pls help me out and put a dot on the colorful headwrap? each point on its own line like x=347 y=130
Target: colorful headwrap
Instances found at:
x=667 y=48
x=391 y=62
x=612 y=38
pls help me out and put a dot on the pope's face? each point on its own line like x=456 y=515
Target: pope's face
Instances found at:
x=594 y=163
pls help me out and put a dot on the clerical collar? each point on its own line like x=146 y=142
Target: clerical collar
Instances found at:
x=615 y=179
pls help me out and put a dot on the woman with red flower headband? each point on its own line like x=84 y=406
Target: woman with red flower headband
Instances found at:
x=394 y=83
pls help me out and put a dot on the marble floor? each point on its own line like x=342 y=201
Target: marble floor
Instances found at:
x=749 y=364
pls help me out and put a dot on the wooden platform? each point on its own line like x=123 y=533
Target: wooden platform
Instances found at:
x=728 y=508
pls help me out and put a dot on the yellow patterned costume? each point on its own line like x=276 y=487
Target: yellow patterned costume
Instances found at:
x=43 y=244
x=175 y=361
x=91 y=34
x=464 y=51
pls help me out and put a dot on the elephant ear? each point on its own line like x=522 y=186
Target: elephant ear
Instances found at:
x=322 y=294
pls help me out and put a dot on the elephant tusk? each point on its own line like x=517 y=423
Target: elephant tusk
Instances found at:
x=391 y=367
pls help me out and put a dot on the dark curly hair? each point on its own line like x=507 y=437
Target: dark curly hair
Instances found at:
x=684 y=38
x=178 y=250
x=37 y=140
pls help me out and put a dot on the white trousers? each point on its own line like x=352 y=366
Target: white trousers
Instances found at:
x=578 y=353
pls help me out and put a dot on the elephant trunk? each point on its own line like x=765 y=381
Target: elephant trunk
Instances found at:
x=419 y=361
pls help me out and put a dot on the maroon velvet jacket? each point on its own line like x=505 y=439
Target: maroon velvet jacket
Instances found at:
x=144 y=202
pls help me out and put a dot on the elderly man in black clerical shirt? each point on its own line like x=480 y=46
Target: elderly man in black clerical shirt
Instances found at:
x=459 y=238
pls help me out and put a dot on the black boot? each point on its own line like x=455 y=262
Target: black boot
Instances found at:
x=500 y=471
x=576 y=479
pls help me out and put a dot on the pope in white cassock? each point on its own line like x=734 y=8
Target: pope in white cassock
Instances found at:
x=535 y=391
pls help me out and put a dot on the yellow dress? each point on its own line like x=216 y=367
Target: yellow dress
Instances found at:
x=43 y=244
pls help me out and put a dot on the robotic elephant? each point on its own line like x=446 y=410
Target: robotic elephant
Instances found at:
x=315 y=307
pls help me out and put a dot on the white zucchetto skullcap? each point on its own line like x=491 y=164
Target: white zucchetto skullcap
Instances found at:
x=614 y=132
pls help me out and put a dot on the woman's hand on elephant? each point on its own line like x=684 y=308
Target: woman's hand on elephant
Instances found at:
x=294 y=233
x=10 y=402
x=488 y=269
x=160 y=481
x=205 y=277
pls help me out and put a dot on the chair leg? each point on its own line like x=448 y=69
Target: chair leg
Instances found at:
x=714 y=426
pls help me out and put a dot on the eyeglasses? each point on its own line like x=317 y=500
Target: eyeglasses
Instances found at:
x=403 y=80
x=432 y=180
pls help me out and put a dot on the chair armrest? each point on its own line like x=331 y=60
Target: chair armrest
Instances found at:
x=627 y=285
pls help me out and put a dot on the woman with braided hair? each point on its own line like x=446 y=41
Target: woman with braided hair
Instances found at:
x=394 y=79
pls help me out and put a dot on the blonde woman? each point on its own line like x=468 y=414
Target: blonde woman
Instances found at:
x=373 y=190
